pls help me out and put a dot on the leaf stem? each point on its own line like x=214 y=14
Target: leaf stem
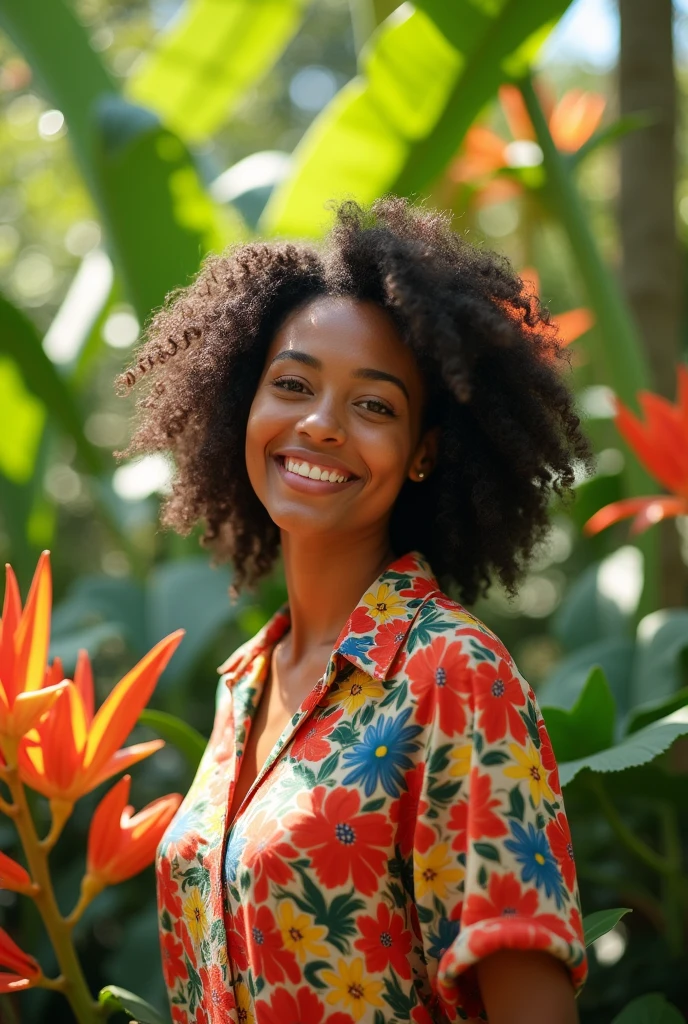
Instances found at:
x=72 y=981
x=655 y=861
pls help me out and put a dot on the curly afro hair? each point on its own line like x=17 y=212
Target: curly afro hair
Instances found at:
x=509 y=433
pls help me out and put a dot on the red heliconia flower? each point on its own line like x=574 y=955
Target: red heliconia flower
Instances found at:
x=120 y=845
x=661 y=444
x=572 y=121
x=24 y=642
x=13 y=876
x=72 y=750
x=17 y=969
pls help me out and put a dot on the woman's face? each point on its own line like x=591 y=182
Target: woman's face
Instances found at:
x=335 y=425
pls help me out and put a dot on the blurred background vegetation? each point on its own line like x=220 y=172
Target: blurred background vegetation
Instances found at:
x=137 y=135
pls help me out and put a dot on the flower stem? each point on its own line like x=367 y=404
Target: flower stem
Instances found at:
x=72 y=983
x=655 y=861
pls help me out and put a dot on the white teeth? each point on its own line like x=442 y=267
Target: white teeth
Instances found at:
x=313 y=472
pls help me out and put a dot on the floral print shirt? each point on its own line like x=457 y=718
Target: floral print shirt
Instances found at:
x=408 y=822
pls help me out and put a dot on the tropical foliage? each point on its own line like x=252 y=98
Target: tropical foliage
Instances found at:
x=131 y=148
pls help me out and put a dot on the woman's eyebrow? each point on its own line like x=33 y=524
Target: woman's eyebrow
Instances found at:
x=298 y=357
x=370 y=374
x=362 y=374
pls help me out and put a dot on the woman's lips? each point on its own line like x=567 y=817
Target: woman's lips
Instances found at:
x=306 y=484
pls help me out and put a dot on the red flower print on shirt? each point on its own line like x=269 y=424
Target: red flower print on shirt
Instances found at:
x=236 y=939
x=440 y=676
x=387 y=639
x=311 y=743
x=504 y=899
x=559 y=835
x=266 y=855
x=168 y=889
x=341 y=843
x=301 y=1007
x=172 y=963
x=407 y=814
x=359 y=622
x=576 y=923
x=548 y=759
x=498 y=695
x=216 y=993
x=476 y=816
x=268 y=955
x=385 y=941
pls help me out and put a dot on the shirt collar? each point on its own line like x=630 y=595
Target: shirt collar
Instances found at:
x=375 y=630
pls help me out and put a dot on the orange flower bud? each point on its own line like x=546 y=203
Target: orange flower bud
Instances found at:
x=12 y=875
x=23 y=969
x=120 y=845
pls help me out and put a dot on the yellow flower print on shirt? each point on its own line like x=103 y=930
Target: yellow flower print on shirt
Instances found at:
x=353 y=692
x=384 y=604
x=530 y=767
x=351 y=987
x=435 y=871
x=299 y=934
x=462 y=756
x=244 y=1006
x=193 y=909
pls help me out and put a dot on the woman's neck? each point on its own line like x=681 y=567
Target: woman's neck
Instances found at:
x=325 y=581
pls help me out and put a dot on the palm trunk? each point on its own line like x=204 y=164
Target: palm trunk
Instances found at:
x=650 y=252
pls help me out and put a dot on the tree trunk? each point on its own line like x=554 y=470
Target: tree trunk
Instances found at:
x=650 y=252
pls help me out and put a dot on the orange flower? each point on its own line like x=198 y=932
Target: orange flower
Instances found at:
x=12 y=875
x=71 y=750
x=661 y=444
x=568 y=326
x=24 y=640
x=572 y=122
x=120 y=845
x=24 y=970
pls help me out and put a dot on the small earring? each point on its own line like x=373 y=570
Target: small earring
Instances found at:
x=421 y=474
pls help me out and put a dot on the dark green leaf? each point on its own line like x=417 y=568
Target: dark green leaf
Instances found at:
x=516 y=803
x=374 y=805
x=177 y=732
x=310 y=973
x=602 y=921
x=649 y=1009
x=589 y=726
x=492 y=757
x=115 y=998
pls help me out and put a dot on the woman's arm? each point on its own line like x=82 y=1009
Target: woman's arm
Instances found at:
x=526 y=987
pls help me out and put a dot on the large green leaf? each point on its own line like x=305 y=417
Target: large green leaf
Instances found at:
x=602 y=921
x=143 y=180
x=657 y=670
x=638 y=748
x=589 y=726
x=20 y=340
x=115 y=998
x=649 y=1009
x=22 y=417
x=199 y=67
x=158 y=214
x=565 y=684
x=650 y=712
x=424 y=76
x=176 y=731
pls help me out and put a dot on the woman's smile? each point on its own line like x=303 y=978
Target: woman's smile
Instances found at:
x=313 y=475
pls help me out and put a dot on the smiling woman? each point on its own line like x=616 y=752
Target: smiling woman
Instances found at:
x=376 y=831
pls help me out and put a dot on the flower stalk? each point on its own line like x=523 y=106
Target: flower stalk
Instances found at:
x=71 y=982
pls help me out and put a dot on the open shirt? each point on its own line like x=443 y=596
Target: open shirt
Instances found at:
x=408 y=822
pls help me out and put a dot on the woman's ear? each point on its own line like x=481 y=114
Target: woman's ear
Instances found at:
x=425 y=457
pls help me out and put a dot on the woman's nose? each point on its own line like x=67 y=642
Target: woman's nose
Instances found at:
x=322 y=423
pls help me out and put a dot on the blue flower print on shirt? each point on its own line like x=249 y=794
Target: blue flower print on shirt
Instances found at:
x=235 y=844
x=357 y=645
x=382 y=754
x=533 y=853
x=441 y=940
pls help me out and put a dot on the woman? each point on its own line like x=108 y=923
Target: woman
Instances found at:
x=376 y=832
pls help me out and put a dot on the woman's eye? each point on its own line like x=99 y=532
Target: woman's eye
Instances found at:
x=375 y=406
x=288 y=384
